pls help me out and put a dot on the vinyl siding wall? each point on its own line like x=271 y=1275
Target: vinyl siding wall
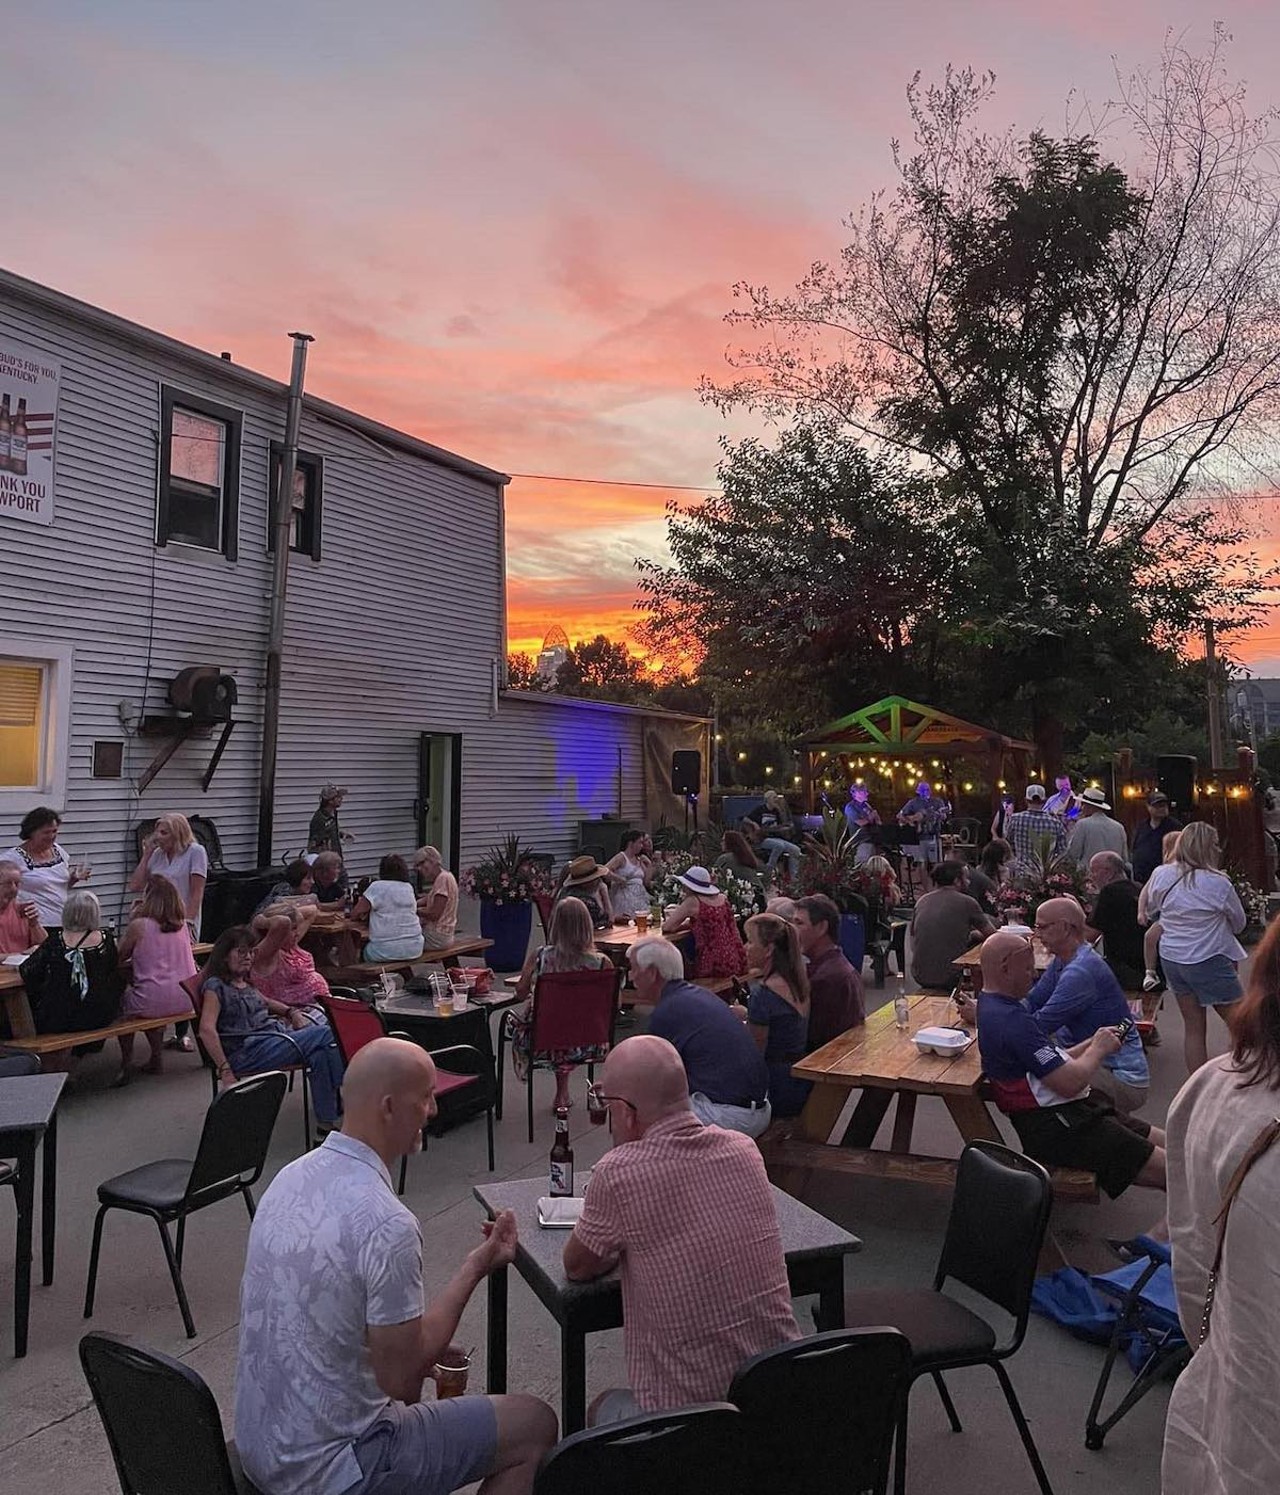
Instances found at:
x=394 y=632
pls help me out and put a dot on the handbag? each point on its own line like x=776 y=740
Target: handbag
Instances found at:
x=1260 y=1144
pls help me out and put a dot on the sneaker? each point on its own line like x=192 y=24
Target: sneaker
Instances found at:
x=187 y=1044
x=1151 y=981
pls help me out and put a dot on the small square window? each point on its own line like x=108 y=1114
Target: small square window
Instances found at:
x=308 y=498
x=199 y=473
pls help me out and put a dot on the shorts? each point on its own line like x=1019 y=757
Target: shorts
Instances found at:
x=428 y=1448
x=615 y=1405
x=1087 y=1133
x=1212 y=982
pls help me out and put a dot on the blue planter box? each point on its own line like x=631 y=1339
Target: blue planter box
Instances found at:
x=508 y=926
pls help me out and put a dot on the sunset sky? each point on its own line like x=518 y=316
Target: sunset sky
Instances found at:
x=512 y=225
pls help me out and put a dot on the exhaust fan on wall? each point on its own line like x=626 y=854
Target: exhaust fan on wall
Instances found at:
x=201 y=697
x=204 y=692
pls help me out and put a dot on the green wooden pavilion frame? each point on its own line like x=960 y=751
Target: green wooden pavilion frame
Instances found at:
x=906 y=734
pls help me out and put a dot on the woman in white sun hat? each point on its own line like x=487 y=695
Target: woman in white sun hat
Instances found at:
x=708 y=914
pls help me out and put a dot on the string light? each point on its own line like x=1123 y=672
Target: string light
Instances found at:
x=768 y=768
x=742 y=757
x=968 y=788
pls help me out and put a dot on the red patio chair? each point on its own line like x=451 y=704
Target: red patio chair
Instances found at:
x=457 y=1071
x=571 y=1010
x=545 y=904
x=192 y=986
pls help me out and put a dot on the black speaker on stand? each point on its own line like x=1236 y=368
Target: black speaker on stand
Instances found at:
x=686 y=779
x=1176 y=777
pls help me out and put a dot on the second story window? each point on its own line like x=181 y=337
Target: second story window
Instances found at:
x=308 y=498
x=199 y=473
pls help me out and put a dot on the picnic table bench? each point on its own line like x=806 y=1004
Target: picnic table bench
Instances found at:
x=58 y=1043
x=885 y=1065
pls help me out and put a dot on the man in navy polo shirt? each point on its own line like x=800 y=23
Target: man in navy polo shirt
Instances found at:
x=1044 y=1089
x=1079 y=994
x=728 y=1081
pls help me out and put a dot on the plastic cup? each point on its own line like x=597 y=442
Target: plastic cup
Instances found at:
x=451 y=1376
x=642 y=923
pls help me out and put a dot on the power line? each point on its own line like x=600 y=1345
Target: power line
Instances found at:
x=545 y=477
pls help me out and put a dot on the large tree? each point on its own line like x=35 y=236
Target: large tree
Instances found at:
x=604 y=670
x=1079 y=356
x=812 y=582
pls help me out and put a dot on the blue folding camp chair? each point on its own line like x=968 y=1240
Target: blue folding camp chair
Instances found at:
x=1146 y=1329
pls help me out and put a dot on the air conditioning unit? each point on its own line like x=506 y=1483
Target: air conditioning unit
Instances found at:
x=204 y=693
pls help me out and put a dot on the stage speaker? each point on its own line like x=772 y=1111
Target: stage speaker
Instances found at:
x=1176 y=777
x=686 y=771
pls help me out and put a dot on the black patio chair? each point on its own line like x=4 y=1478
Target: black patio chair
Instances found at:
x=230 y=1158
x=161 y=1421
x=244 y=1066
x=694 y=1451
x=999 y=1215
x=821 y=1411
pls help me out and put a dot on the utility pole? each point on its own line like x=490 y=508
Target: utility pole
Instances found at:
x=282 y=524
x=1213 y=690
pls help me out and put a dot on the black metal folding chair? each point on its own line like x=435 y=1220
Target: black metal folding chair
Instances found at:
x=999 y=1215
x=230 y=1158
x=161 y=1421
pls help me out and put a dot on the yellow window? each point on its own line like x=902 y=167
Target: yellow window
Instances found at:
x=22 y=689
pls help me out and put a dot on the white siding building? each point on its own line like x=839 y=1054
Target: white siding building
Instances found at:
x=149 y=554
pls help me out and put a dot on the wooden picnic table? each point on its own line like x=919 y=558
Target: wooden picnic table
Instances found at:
x=623 y=936
x=13 y=996
x=972 y=957
x=883 y=1063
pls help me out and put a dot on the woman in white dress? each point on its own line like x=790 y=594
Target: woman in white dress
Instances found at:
x=48 y=873
x=1220 y=1434
x=629 y=874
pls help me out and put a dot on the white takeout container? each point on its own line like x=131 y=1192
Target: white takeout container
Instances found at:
x=944 y=1041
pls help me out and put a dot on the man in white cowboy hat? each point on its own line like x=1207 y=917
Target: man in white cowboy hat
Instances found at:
x=1095 y=831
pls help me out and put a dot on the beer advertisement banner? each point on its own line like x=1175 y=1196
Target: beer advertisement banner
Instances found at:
x=28 y=414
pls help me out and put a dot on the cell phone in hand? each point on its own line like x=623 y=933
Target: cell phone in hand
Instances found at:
x=1124 y=1028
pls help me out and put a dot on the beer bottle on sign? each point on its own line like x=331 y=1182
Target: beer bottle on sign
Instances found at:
x=6 y=427
x=18 y=441
x=561 y=1157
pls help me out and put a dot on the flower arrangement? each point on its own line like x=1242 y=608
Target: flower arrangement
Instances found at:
x=1252 y=900
x=506 y=874
x=828 y=865
x=744 y=896
x=1042 y=877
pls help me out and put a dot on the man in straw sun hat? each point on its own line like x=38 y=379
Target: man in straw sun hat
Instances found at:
x=1096 y=831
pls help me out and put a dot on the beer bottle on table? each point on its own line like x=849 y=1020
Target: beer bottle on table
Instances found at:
x=18 y=441
x=561 y=1157
x=901 y=1007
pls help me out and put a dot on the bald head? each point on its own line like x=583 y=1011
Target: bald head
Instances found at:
x=1060 y=911
x=1008 y=964
x=1105 y=867
x=648 y=1072
x=388 y=1096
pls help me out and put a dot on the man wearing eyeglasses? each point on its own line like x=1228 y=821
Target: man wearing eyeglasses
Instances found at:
x=1079 y=994
x=1045 y=1089
x=686 y=1212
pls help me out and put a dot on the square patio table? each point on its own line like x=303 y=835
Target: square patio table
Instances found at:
x=28 y=1113
x=814 y=1248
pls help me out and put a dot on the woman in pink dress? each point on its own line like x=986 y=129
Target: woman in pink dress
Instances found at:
x=158 y=944
x=282 y=970
x=705 y=911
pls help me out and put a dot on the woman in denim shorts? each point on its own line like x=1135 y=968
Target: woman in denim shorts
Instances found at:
x=1200 y=917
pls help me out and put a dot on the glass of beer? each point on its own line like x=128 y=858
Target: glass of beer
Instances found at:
x=451 y=1374
x=642 y=922
x=597 y=1106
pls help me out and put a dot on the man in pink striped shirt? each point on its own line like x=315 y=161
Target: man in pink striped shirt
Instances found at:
x=687 y=1213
